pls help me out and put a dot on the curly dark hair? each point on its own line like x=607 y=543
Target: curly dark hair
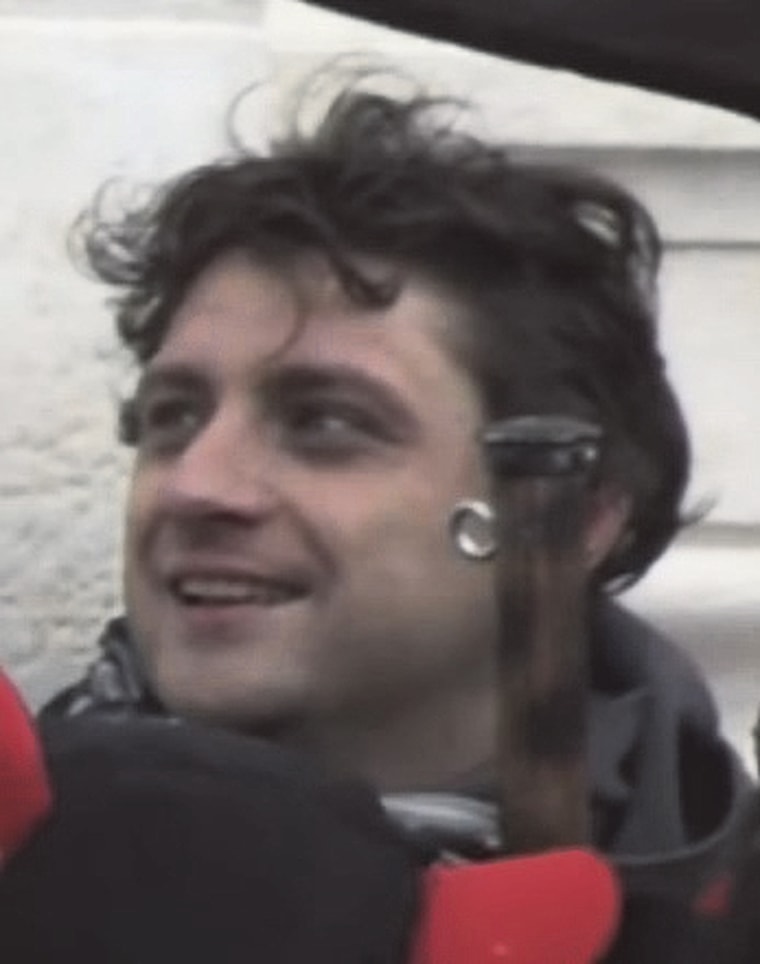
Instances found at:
x=556 y=271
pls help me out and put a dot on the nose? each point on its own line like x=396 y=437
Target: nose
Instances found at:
x=226 y=470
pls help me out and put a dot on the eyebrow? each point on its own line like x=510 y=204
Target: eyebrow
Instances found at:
x=342 y=377
x=171 y=376
x=292 y=378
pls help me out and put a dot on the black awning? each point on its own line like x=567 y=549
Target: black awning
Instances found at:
x=704 y=50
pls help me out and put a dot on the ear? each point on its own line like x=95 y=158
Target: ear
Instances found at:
x=608 y=518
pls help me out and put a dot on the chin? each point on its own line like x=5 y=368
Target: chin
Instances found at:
x=265 y=713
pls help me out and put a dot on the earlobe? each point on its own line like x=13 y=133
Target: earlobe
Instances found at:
x=609 y=514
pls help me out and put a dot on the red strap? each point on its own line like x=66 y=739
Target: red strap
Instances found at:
x=563 y=906
x=25 y=795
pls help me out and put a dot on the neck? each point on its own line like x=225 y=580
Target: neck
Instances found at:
x=432 y=745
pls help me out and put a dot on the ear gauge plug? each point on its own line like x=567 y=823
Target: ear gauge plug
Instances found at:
x=472 y=526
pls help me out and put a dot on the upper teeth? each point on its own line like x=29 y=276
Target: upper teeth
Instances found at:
x=203 y=589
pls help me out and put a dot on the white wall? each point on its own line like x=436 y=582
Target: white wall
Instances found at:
x=84 y=100
x=93 y=89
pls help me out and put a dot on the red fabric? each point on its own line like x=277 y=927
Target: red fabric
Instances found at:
x=561 y=906
x=25 y=794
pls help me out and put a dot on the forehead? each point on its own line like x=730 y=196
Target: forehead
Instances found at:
x=242 y=317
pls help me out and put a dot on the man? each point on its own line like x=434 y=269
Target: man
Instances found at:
x=323 y=333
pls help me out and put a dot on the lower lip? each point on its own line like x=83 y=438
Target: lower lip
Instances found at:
x=220 y=619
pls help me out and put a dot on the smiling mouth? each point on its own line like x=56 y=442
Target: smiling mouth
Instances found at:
x=216 y=591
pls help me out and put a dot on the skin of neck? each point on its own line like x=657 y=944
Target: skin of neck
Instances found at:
x=433 y=744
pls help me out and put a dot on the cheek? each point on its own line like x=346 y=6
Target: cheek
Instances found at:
x=409 y=505
x=396 y=534
x=406 y=605
x=141 y=505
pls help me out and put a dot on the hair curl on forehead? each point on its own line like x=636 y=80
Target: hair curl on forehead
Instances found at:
x=555 y=271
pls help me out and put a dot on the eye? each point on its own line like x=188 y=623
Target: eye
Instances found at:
x=331 y=428
x=165 y=421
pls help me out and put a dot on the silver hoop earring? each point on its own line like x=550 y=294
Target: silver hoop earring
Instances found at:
x=471 y=524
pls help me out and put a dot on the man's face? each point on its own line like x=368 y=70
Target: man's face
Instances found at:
x=287 y=551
